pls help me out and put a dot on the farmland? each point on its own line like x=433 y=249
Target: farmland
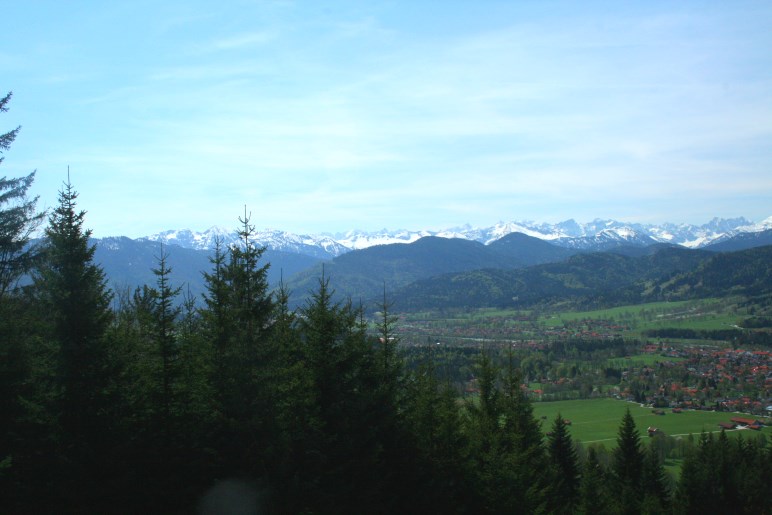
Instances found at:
x=597 y=357
x=497 y=326
x=597 y=420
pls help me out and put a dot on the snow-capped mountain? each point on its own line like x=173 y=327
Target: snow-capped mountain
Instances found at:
x=607 y=239
x=322 y=247
x=595 y=235
x=195 y=240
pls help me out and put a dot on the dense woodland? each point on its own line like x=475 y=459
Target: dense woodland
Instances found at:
x=146 y=401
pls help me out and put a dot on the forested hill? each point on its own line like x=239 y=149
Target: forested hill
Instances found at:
x=433 y=272
x=746 y=272
x=362 y=274
x=598 y=279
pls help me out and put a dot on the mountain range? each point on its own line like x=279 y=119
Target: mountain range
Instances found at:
x=597 y=235
x=424 y=268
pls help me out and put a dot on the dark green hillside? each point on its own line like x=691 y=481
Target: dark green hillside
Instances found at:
x=362 y=273
x=584 y=279
x=526 y=250
x=745 y=272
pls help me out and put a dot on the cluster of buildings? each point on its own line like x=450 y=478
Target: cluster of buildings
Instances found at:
x=709 y=378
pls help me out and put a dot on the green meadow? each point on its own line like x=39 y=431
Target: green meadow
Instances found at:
x=620 y=312
x=597 y=420
x=705 y=314
x=641 y=360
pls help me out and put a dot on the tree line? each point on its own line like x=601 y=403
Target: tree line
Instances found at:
x=135 y=402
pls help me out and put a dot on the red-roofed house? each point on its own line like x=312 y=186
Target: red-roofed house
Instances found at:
x=741 y=421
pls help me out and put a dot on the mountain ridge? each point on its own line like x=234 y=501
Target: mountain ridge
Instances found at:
x=597 y=235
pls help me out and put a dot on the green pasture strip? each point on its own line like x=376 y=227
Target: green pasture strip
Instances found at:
x=551 y=321
x=650 y=313
x=498 y=313
x=705 y=321
x=633 y=310
x=685 y=342
x=597 y=420
x=475 y=315
x=641 y=360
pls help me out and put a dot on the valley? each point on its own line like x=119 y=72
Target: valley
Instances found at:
x=611 y=353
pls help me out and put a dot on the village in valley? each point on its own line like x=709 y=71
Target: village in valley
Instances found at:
x=607 y=354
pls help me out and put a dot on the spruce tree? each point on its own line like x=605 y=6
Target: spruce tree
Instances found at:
x=438 y=463
x=165 y=315
x=75 y=305
x=237 y=320
x=18 y=220
x=388 y=339
x=250 y=303
x=563 y=486
x=486 y=442
x=693 y=494
x=593 y=492
x=7 y=138
x=628 y=465
x=754 y=475
x=195 y=371
x=216 y=317
x=655 y=484
x=505 y=443
x=523 y=433
x=346 y=450
x=292 y=389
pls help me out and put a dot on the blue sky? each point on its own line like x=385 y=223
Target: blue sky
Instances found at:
x=330 y=116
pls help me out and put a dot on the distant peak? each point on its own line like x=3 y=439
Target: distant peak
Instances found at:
x=566 y=233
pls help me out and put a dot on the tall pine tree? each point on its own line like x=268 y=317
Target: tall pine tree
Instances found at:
x=238 y=321
x=439 y=463
x=655 y=483
x=628 y=466
x=165 y=314
x=18 y=219
x=563 y=486
x=76 y=300
x=75 y=304
x=594 y=496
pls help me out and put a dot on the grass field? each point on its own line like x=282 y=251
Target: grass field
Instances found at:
x=597 y=420
x=705 y=314
x=629 y=321
x=641 y=360
x=702 y=321
x=632 y=311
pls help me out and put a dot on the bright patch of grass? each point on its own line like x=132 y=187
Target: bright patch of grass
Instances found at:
x=641 y=360
x=597 y=420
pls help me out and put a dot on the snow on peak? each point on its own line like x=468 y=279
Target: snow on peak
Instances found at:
x=570 y=233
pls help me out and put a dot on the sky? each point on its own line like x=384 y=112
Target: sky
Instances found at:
x=323 y=117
